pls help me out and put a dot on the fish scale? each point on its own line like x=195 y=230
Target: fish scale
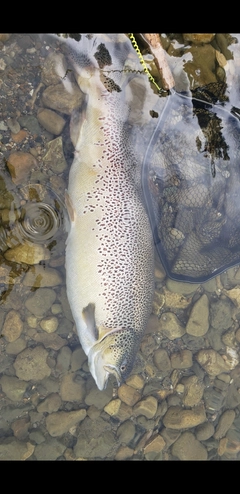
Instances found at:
x=109 y=250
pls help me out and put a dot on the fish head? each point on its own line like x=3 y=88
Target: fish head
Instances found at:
x=113 y=354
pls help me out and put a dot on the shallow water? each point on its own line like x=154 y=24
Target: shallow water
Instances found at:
x=182 y=399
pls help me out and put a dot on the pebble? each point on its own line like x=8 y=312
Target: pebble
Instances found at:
x=49 y=340
x=224 y=423
x=58 y=98
x=50 y=324
x=20 y=136
x=187 y=447
x=72 y=388
x=212 y=362
x=162 y=360
x=128 y=395
x=42 y=276
x=170 y=326
x=19 y=165
x=60 y=422
x=213 y=399
x=13 y=326
x=77 y=359
x=53 y=69
x=12 y=449
x=51 y=449
x=135 y=381
x=54 y=157
x=126 y=432
x=181 y=360
x=56 y=309
x=31 y=364
x=31 y=124
x=64 y=360
x=51 y=121
x=102 y=447
x=198 y=322
x=39 y=303
x=154 y=447
x=204 y=431
x=124 y=453
x=51 y=404
x=179 y=418
x=119 y=410
x=146 y=407
x=13 y=125
x=13 y=387
x=16 y=346
x=181 y=288
x=221 y=315
x=27 y=253
x=193 y=391
x=98 y=398
x=176 y=300
x=20 y=428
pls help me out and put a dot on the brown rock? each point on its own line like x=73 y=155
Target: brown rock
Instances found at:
x=51 y=340
x=60 y=99
x=178 y=418
x=181 y=360
x=193 y=391
x=27 y=253
x=124 y=453
x=51 y=121
x=20 y=136
x=20 y=164
x=128 y=395
x=60 y=422
x=171 y=326
x=146 y=407
x=187 y=447
x=155 y=445
x=212 y=362
x=198 y=322
x=72 y=388
x=31 y=364
x=20 y=428
x=198 y=38
x=224 y=423
x=13 y=326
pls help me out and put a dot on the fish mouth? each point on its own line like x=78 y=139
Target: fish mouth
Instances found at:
x=112 y=369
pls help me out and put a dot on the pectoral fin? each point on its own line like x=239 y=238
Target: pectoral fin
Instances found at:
x=88 y=314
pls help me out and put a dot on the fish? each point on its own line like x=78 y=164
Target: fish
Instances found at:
x=109 y=248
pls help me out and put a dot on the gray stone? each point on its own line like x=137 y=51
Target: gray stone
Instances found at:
x=170 y=326
x=51 y=404
x=126 y=432
x=16 y=346
x=51 y=449
x=198 y=322
x=61 y=99
x=39 y=303
x=51 y=121
x=31 y=364
x=13 y=326
x=224 y=423
x=77 y=359
x=193 y=391
x=213 y=399
x=12 y=449
x=60 y=422
x=187 y=447
x=13 y=387
x=221 y=315
x=180 y=287
x=54 y=158
x=72 y=388
x=49 y=324
x=162 y=360
x=42 y=276
x=50 y=340
x=99 y=398
x=181 y=360
x=204 y=431
x=212 y=362
x=64 y=360
x=54 y=68
x=31 y=124
x=179 y=418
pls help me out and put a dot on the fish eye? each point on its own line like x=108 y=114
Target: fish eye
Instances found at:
x=123 y=366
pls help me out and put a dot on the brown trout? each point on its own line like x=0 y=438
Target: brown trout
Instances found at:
x=109 y=249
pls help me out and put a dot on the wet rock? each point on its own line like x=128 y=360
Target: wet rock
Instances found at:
x=54 y=158
x=124 y=453
x=198 y=322
x=98 y=398
x=204 y=431
x=51 y=449
x=60 y=422
x=56 y=309
x=213 y=399
x=41 y=276
x=72 y=388
x=13 y=125
x=64 y=360
x=181 y=288
x=119 y=410
x=128 y=395
x=36 y=437
x=51 y=340
x=4 y=37
x=13 y=326
x=169 y=436
x=49 y=324
x=13 y=387
x=146 y=407
x=212 y=362
x=12 y=449
x=176 y=300
x=154 y=447
x=51 y=121
x=27 y=253
x=19 y=165
x=193 y=391
x=61 y=99
x=31 y=364
x=221 y=315
x=171 y=326
x=197 y=38
x=224 y=423
x=31 y=124
x=193 y=343
x=101 y=447
x=162 y=360
x=201 y=68
x=20 y=136
x=39 y=303
x=51 y=404
x=54 y=69
x=126 y=432
x=16 y=346
x=77 y=359
x=187 y=447
x=136 y=381
x=20 y=428
x=181 y=360
x=178 y=418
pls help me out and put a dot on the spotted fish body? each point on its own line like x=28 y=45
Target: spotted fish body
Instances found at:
x=109 y=251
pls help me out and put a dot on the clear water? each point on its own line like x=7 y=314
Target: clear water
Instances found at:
x=175 y=405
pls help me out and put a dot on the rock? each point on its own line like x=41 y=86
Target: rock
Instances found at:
x=201 y=68
x=19 y=165
x=16 y=346
x=51 y=404
x=153 y=448
x=181 y=287
x=20 y=428
x=13 y=125
x=204 y=431
x=212 y=362
x=54 y=158
x=187 y=447
x=20 y=136
x=64 y=360
x=98 y=398
x=54 y=68
x=60 y=422
x=13 y=326
x=72 y=388
x=192 y=342
x=171 y=326
x=224 y=423
x=213 y=399
x=100 y=447
x=136 y=381
x=118 y=410
x=176 y=300
x=198 y=322
x=56 y=309
x=197 y=38
x=49 y=324
x=42 y=276
x=31 y=124
x=124 y=453
x=4 y=37
x=51 y=340
x=181 y=360
x=178 y=418
x=221 y=315
x=27 y=253
x=31 y=364
x=78 y=358
x=126 y=432
x=39 y=303
x=50 y=449
x=61 y=99
x=13 y=387
x=12 y=449
x=128 y=395
x=146 y=407
x=51 y=121
x=162 y=360
x=193 y=391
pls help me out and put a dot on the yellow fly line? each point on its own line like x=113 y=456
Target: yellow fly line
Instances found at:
x=142 y=61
